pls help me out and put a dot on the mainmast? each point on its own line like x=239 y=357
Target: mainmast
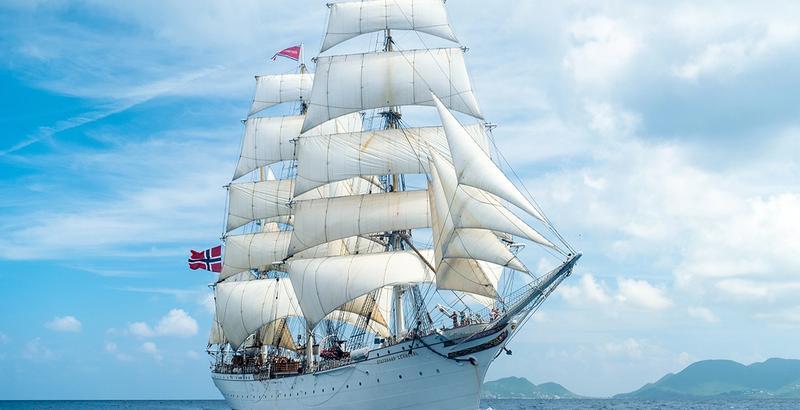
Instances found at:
x=392 y=118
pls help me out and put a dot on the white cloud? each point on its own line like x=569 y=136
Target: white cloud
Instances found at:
x=587 y=290
x=702 y=313
x=641 y=294
x=112 y=348
x=755 y=40
x=155 y=213
x=36 y=351
x=685 y=359
x=208 y=302
x=151 y=349
x=4 y=338
x=64 y=324
x=790 y=316
x=730 y=232
x=176 y=323
x=602 y=49
x=630 y=347
x=141 y=329
x=630 y=293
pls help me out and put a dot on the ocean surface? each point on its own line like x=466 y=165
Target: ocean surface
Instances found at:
x=593 y=404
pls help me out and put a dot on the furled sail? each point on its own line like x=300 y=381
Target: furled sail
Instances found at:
x=268 y=140
x=323 y=159
x=324 y=284
x=244 y=307
x=475 y=168
x=253 y=251
x=278 y=89
x=351 y=19
x=249 y=201
x=323 y=220
x=349 y=83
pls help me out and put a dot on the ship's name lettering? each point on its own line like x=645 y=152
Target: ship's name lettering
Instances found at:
x=396 y=357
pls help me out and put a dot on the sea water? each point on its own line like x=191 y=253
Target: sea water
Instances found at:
x=593 y=404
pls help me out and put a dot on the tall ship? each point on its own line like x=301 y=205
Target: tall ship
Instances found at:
x=374 y=233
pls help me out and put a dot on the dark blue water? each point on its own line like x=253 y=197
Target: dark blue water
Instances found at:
x=584 y=404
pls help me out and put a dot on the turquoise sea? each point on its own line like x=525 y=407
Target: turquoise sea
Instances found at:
x=593 y=404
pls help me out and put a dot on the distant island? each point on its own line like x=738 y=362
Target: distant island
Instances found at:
x=521 y=388
x=706 y=379
x=774 y=378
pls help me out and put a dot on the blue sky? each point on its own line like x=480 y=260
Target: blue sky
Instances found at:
x=662 y=139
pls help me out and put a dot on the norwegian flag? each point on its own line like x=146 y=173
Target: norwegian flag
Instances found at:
x=209 y=259
x=292 y=52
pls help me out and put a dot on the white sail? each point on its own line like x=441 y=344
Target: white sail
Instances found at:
x=268 y=140
x=358 y=304
x=475 y=168
x=490 y=270
x=461 y=254
x=454 y=241
x=348 y=83
x=216 y=337
x=240 y=277
x=323 y=284
x=323 y=159
x=351 y=19
x=278 y=89
x=249 y=201
x=468 y=275
x=244 y=307
x=276 y=333
x=482 y=245
x=471 y=207
x=354 y=320
x=253 y=251
x=323 y=220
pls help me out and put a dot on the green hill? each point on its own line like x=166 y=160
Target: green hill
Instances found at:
x=521 y=388
x=774 y=378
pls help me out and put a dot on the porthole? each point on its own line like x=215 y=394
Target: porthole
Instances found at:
x=437 y=370
x=400 y=376
x=379 y=380
x=359 y=383
x=348 y=386
x=420 y=373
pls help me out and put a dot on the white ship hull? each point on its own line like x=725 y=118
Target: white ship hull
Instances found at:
x=391 y=378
